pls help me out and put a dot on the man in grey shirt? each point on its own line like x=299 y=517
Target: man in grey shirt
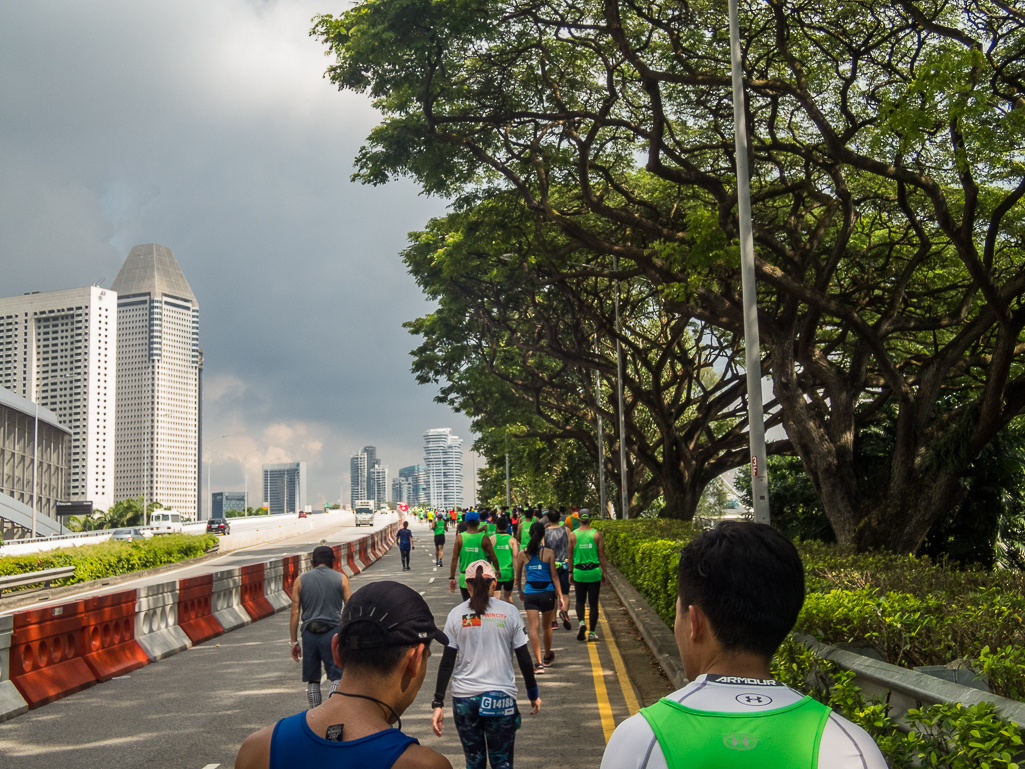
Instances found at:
x=557 y=540
x=318 y=595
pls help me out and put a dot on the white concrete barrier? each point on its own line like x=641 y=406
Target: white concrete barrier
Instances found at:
x=11 y=702
x=227 y=600
x=274 y=528
x=273 y=584
x=156 y=621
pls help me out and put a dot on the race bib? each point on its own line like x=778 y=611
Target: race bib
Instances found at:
x=497 y=704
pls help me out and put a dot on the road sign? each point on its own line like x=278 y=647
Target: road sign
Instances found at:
x=74 y=508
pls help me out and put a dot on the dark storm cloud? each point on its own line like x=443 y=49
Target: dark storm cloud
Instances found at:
x=207 y=127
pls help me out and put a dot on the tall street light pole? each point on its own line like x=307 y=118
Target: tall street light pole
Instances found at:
x=752 y=352
x=245 y=472
x=601 y=435
x=209 y=474
x=625 y=511
x=508 y=496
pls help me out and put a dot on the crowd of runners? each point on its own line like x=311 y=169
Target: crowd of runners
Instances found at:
x=539 y=555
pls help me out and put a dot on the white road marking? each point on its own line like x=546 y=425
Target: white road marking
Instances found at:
x=211 y=766
x=430 y=580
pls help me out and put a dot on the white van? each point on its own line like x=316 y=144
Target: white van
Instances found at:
x=166 y=522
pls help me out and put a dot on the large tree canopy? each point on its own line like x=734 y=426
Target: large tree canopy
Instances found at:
x=888 y=169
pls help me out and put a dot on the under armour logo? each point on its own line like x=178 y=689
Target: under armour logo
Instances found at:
x=754 y=700
x=739 y=742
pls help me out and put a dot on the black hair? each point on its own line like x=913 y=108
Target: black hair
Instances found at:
x=481 y=598
x=537 y=536
x=553 y=516
x=323 y=560
x=502 y=524
x=529 y=512
x=405 y=524
x=748 y=578
x=381 y=660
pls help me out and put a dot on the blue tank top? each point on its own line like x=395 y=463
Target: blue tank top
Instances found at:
x=539 y=575
x=293 y=745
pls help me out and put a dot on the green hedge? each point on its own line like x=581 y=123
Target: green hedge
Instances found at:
x=913 y=612
x=108 y=559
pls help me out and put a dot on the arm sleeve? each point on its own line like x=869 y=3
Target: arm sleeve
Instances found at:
x=526 y=667
x=448 y=664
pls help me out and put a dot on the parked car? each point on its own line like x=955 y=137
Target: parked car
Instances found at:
x=166 y=522
x=127 y=535
x=218 y=526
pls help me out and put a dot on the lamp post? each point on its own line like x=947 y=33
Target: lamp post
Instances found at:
x=624 y=513
x=209 y=475
x=601 y=433
x=245 y=471
x=151 y=469
x=752 y=354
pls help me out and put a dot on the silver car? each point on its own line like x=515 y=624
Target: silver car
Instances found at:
x=127 y=535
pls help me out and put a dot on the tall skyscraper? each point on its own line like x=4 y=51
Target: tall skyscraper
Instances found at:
x=378 y=489
x=372 y=462
x=443 y=455
x=357 y=478
x=158 y=381
x=409 y=486
x=59 y=349
x=284 y=487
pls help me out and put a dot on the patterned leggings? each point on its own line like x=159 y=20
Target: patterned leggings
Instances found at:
x=484 y=737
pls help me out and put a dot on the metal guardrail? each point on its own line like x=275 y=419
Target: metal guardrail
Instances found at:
x=44 y=576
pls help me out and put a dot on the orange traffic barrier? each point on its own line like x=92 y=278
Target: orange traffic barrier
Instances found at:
x=46 y=655
x=108 y=635
x=291 y=571
x=354 y=567
x=195 y=609
x=338 y=557
x=254 y=600
x=364 y=556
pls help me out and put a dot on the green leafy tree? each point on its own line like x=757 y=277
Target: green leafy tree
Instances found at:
x=887 y=168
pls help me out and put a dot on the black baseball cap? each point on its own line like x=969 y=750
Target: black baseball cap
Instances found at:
x=400 y=615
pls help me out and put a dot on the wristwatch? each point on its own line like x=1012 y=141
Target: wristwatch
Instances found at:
x=293 y=643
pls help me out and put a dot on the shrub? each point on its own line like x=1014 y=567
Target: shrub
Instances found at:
x=108 y=559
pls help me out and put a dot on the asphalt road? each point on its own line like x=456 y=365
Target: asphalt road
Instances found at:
x=192 y=710
x=342 y=531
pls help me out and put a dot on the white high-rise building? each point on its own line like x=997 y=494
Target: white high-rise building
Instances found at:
x=59 y=349
x=158 y=381
x=377 y=489
x=443 y=455
x=357 y=478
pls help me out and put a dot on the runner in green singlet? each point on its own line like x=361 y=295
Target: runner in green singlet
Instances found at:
x=740 y=588
x=471 y=545
x=587 y=555
x=440 y=527
x=525 y=523
x=506 y=548
x=492 y=526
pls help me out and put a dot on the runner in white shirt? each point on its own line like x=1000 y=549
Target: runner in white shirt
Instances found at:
x=740 y=588
x=484 y=634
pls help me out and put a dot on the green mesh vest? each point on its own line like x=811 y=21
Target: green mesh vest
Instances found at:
x=787 y=738
x=470 y=551
x=586 y=565
x=503 y=551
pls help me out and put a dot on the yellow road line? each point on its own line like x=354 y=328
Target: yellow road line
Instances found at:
x=608 y=725
x=617 y=661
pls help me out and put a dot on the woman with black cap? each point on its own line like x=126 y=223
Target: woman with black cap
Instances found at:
x=482 y=631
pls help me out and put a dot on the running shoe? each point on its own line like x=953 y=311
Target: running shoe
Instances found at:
x=549 y=658
x=555 y=624
x=539 y=669
x=581 y=632
x=565 y=619
x=592 y=636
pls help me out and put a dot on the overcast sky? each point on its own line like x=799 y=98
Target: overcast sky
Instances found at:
x=207 y=126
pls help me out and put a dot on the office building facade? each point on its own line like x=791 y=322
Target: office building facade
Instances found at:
x=223 y=501
x=59 y=349
x=443 y=457
x=158 y=382
x=409 y=486
x=284 y=487
x=378 y=486
x=24 y=486
x=357 y=478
